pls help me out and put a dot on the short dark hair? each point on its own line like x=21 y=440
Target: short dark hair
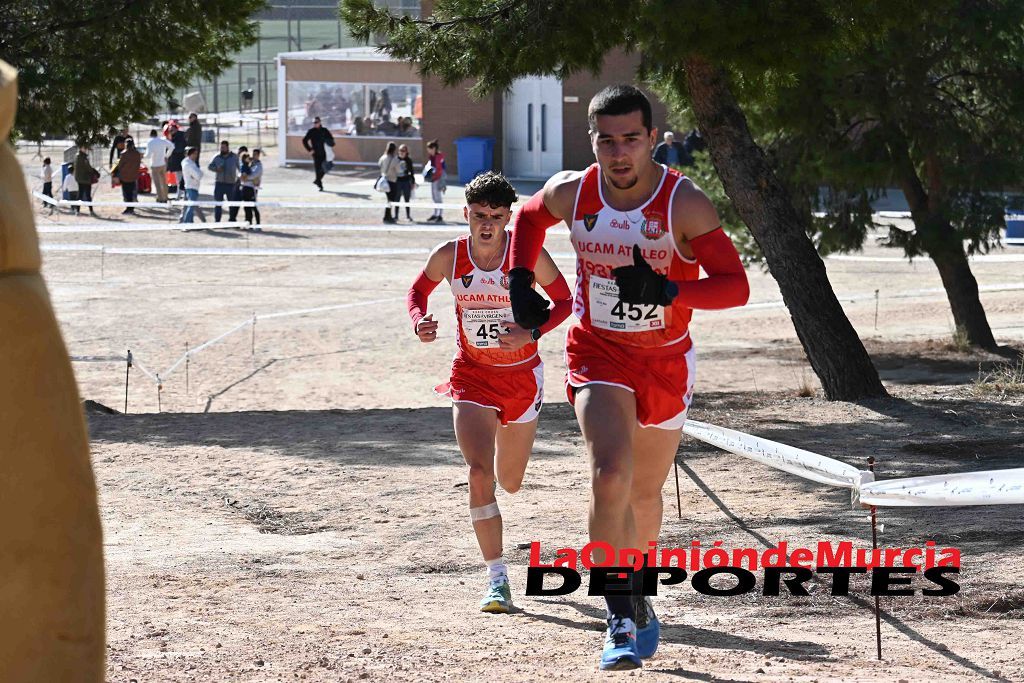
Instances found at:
x=225 y=142
x=618 y=100
x=46 y=160
x=153 y=133
x=491 y=188
x=433 y=143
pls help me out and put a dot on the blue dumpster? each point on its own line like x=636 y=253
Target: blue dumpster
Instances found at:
x=475 y=155
x=1015 y=232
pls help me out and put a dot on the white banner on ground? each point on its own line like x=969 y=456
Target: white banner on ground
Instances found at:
x=991 y=487
x=778 y=455
x=126 y=227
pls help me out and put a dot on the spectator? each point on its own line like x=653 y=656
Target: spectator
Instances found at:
x=382 y=111
x=358 y=127
x=195 y=132
x=69 y=188
x=128 y=170
x=389 y=166
x=435 y=168
x=192 y=175
x=157 y=151
x=253 y=174
x=316 y=140
x=406 y=180
x=672 y=153
x=47 y=176
x=694 y=142
x=117 y=146
x=84 y=176
x=225 y=166
x=177 y=137
x=233 y=210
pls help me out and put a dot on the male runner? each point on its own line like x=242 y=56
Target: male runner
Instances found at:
x=497 y=376
x=641 y=232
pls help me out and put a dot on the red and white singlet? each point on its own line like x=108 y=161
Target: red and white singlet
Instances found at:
x=604 y=239
x=481 y=305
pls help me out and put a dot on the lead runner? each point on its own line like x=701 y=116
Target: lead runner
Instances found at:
x=641 y=232
x=497 y=377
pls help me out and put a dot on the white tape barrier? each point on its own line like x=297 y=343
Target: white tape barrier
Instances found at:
x=780 y=456
x=992 y=487
x=159 y=377
x=127 y=227
x=456 y=228
x=909 y=294
x=236 y=251
x=177 y=204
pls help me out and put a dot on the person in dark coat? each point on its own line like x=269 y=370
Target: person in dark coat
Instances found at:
x=194 y=136
x=179 y=140
x=83 y=176
x=672 y=153
x=316 y=142
x=128 y=171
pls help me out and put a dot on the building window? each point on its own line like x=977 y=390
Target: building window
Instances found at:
x=357 y=109
x=408 y=8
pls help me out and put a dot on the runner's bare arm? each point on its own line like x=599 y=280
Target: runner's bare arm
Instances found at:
x=439 y=266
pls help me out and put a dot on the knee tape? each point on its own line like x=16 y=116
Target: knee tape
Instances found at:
x=484 y=512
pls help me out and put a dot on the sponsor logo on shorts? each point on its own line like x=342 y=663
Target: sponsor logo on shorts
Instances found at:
x=653 y=227
x=467 y=280
x=589 y=221
x=537 y=405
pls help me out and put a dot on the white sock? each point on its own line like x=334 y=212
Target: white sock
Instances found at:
x=496 y=568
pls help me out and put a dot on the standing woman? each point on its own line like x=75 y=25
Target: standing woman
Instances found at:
x=406 y=180
x=252 y=174
x=388 y=163
x=435 y=168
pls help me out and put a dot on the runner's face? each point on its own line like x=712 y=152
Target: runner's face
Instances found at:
x=622 y=146
x=487 y=223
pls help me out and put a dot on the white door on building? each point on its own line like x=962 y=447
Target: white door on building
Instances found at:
x=533 y=128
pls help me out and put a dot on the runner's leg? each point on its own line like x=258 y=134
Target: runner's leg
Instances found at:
x=514 y=445
x=475 y=428
x=653 y=453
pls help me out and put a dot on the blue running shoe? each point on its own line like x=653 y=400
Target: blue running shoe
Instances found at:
x=619 y=651
x=648 y=630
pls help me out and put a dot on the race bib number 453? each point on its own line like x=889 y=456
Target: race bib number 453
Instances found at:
x=482 y=326
x=607 y=312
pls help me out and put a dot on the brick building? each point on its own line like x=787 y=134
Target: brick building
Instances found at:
x=367 y=99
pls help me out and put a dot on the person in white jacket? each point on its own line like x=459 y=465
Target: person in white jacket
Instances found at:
x=193 y=174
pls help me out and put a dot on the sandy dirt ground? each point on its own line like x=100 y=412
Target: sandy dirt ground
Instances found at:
x=297 y=510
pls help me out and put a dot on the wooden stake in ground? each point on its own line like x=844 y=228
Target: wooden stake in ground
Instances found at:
x=159 y=390
x=127 y=370
x=876 y=309
x=679 y=505
x=874 y=546
x=186 y=368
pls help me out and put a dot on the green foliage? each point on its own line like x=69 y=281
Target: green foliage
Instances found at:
x=931 y=103
x=87 y=65
x=704 y=175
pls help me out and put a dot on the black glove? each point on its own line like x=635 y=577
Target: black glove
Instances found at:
x=529 y=309
x=641 y=284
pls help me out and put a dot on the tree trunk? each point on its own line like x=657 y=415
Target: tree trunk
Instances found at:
x=832 y=346
x=942 y=244
x=962 y=292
